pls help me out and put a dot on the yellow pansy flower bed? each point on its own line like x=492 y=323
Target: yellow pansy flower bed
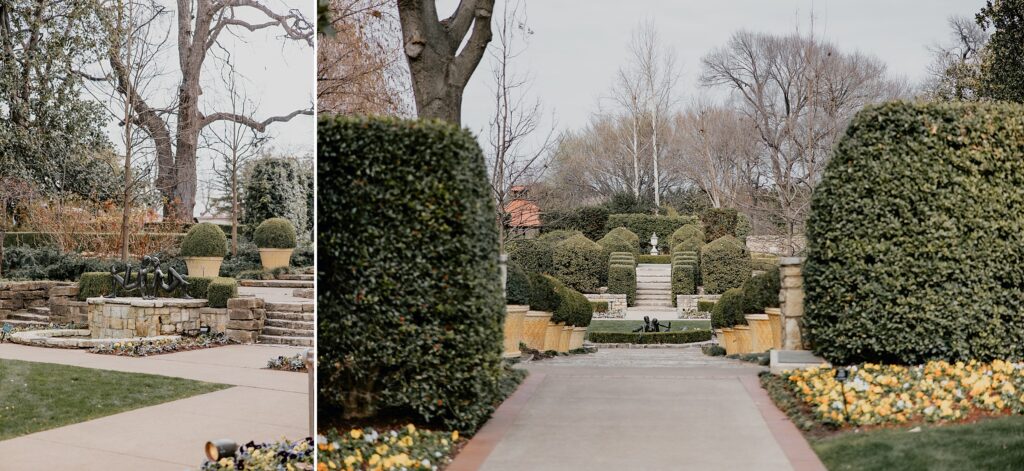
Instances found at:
x=404 y=448
x=892 y=394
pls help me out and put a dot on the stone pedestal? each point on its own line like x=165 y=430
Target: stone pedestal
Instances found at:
x=791 y=298
x=137 y=317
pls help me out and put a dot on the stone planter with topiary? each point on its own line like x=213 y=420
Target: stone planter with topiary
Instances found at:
x=276 y=240
x=203 y=249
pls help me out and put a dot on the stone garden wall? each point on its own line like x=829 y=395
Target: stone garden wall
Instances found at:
x=686 y=305
x=616 y=305
x=775 y=244
x=245 y=319
x=65 y=307
x=60 y=297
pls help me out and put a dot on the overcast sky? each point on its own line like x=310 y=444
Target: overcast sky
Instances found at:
x=578 y=45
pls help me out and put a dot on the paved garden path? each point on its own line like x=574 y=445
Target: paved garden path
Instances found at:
x=263 y=405
x=650 y=409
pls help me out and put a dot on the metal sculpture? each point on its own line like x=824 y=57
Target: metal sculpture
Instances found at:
x=149 y=288
x=652 y=325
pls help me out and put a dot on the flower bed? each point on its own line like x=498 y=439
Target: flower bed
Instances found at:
x=888 y=394
x=143 y=347
x=297 y=455
x=293 y=363
x=403 y=448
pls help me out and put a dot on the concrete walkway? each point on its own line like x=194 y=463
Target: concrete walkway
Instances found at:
x=650 y=409
x=264 y=405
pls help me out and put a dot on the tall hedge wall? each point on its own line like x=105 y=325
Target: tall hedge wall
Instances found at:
x=916 y=235
x=724 y=264
x=643 y=225
x=412 y=323
x=532 y=255
x=590 y=220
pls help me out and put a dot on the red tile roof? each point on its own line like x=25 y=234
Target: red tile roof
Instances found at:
x=522 y=213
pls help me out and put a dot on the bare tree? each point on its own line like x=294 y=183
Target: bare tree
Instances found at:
x=513 y=159
x=360 y=67
x=628 y=93
x=439 y=63
x=718 y=152
x=235 y=143
x=175 y=128
x=956 y=66
x=659 y=73
x=799 y=94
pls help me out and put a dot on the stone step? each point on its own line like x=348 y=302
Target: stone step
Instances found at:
x=296 y=276
x=275 y=284
x=290 y=307
x=282 y=340
x=21 y=323
x=285 y=332
x=290 y=316
x=655 y=287
x=654 y=297
x=288 y=324
x=648 y=303
x=665 y=291
x=27 y=316
x=42 y=311
x=654 y=279
x=303 y=293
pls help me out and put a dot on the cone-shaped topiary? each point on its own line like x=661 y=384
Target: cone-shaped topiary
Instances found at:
x=275 y=233
x=204 y=240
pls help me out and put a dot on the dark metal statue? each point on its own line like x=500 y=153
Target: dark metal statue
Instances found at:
x=652 y=325
x=147 y=290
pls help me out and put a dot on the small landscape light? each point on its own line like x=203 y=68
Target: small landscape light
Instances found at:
x=223 y=448
x=841 y=374
x=204 y=330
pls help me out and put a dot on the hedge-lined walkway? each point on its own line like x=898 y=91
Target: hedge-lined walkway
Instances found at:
x=652 y=409
x=263 y=405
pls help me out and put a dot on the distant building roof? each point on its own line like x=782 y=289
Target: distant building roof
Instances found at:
x=522 y=213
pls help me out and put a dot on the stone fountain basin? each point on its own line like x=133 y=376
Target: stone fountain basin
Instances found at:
x=75 y=338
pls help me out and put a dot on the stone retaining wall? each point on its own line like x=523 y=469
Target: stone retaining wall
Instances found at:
x=686 y=305
x=138 y=317
x=616 y=305
x=245 y=319
x=65 y=307
x=21 y=295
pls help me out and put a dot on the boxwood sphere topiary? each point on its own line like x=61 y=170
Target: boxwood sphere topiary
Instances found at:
x=626 y=235
x=916 y=234
x=204 y=240
x=275 y=233
x=728 y=311
x=761 y=291
x=411 y=310
x=580 y=263
x=724 y=264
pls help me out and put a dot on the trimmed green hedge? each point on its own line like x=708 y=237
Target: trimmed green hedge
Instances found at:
x=724 y=264
x=532 y=255
x=682 y=336
x=204 y=240
x=705 y=306
x=622 y=280
x=761 y=262
x=718 y=223
x=554 y=238
x=690 y=235
x=220 y=291
x=599 y=306
x=663 y=259
x=573 y=308
x=728 y=311
x=590 y=220
x=684 y=279
x=275 y=233
x=916 y=234
x=761 y=291
x=94 y=284
x=216 y=291
x=543 y=294
x=743 y=227
x=412 y=321
x=580 y=263
x=643 y=225
x=627 y=235
x=517 y=286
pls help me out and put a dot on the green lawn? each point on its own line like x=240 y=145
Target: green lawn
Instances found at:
x=41 y=396
x=996 y=444
x=610 y=325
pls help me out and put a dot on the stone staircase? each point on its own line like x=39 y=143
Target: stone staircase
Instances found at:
x=31 y=317
x=282 y=283
x=288 y=324
x=653 y=292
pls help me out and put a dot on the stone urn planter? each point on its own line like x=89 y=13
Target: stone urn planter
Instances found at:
x=535 y=326
x=203 y=249
x=760 y=332
x=552 y=336
x=742 y=333
x=513 y=331
x=564 y=338
x=775 y=321
x=579 y=334
x=729 y=340
x=276 y=240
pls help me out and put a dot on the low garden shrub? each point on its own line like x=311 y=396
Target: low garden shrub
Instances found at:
x=724 y=264
x=643 y=225
x=688 y=235
x=532 y=255
x=220 y=291
x=705 y=306
x=682 y=336
x=713 y=350
x=580 y=263
x=617 y=241
x=247 y=259
x=622 y=280
x=142 y=347
x=418 y=448
x=628 y=236
x=412 y=323
x=573 y=308
x=554 y=238
x=662 y=259
x=543 y=294
x=718 y=223
x=599 y=306
x=761 y=291
x=728 y=311
x=517 y=286
x=275 y=233
x=296 y=362
x=743 y=227
x=204 y=240
x=764 y=262
x=915 y=234
x=266 y=456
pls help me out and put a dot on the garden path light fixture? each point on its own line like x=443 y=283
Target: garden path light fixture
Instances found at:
x=222 y=448
x=841 y=375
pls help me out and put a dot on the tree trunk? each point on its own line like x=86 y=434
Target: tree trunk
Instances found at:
x=234 y=210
